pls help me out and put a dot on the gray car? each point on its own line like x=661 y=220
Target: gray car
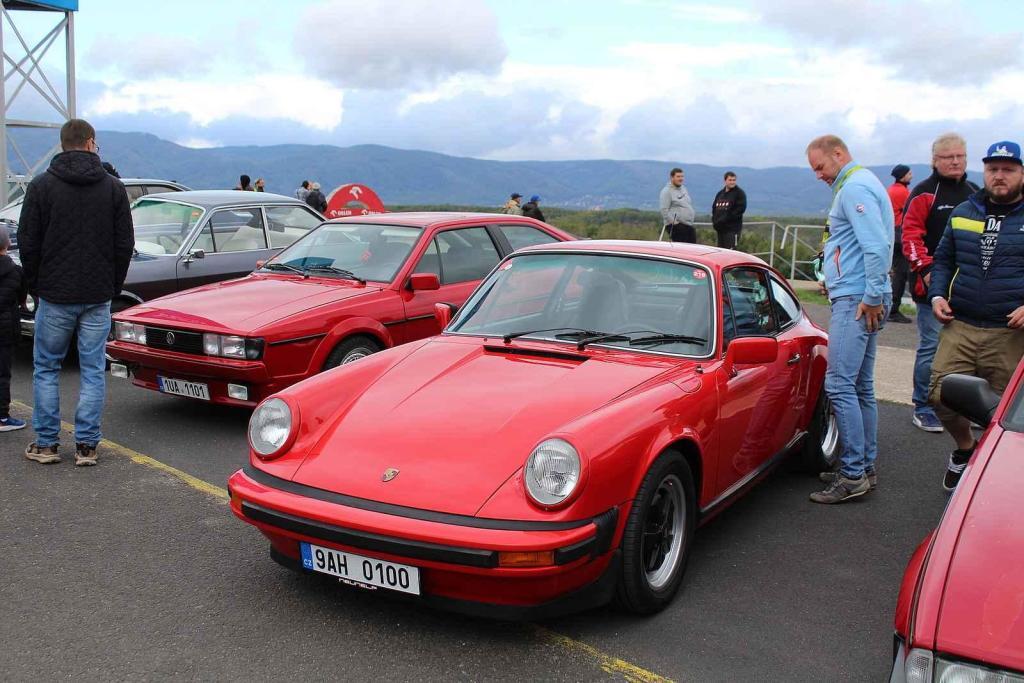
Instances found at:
x=187 y=239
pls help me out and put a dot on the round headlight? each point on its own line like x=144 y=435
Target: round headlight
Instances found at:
x=30 y=304
x=270 y=426
x=552 y=471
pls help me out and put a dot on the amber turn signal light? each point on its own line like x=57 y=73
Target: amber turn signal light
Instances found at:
x=541 y=558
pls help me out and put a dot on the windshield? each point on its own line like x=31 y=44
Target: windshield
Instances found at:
x=161 y=227
x=622 y=301
x=367 y=251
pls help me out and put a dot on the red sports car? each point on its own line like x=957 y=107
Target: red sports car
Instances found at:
x=960 y=613
x=590 y=405
x=345 y=290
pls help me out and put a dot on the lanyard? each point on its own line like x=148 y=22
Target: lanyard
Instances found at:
x=836 y=187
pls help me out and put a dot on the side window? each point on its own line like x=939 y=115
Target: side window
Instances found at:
x=429 y=262
x=520 y=236
x=786 y=308
x=288 y=223
x=153 y=189
x=751 y=302
x=134 y=191
x=233 y=230
x=466 y=254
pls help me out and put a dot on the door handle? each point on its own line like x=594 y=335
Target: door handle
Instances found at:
x=794 y=359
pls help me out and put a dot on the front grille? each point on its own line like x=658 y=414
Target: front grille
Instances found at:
x=185 y=342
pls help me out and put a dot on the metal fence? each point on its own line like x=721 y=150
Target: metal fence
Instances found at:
x=788 y=248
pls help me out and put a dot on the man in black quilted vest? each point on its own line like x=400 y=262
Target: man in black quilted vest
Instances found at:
x=76 y=241
x=977 y=292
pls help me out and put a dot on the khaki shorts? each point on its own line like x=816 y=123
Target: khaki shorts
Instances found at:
x=991 y=353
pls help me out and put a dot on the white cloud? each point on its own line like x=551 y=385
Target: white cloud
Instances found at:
x=392 y=44
x=306 y=101
x=711 y=14
x=197 y=143
x=151 y=55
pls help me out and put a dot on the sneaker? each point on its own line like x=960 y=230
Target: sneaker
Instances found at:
x=842 y=489
x=896 y=317
x=85 y=456
x=958 y=460
x=42 y=454
x=829 y=477
x=9 y=424
x=926 y=420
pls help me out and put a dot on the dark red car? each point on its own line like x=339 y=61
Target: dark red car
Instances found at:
x=960 y=613
x=591 y=404
x=343 y=291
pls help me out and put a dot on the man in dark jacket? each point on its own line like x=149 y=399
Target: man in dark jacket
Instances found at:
x=977 y=292
x=899 y=192
x=316 y=198
x=924 y=219
x=727 y=212
x=531 y=208
x=13 y=289
x=76 y=241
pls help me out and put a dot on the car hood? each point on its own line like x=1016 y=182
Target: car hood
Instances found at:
x=458 y=419
x=246 y=304
x=982 y=614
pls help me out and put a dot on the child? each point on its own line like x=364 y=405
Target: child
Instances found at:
x=13 y=289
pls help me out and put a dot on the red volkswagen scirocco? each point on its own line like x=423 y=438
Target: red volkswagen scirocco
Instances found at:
x=960 y=612
x=590 y=406
x=345 y=290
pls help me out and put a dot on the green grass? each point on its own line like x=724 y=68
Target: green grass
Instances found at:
x=809 y=296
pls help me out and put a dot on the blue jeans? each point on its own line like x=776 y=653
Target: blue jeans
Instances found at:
x=928 y=329
x=55 y=325
x=850 y=384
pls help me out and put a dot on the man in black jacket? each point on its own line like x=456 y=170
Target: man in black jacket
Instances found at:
x=532 y=208
x=12 y=293
x=76 y=240
x=727 y=212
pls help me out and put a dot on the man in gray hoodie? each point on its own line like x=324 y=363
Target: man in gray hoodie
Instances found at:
x=677 y=212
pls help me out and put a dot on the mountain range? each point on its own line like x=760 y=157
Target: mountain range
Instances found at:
x=404 y=177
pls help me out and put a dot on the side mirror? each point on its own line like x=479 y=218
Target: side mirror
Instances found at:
x=969 y=396
x=424 y=282
x=262 y=262
x=443 y=313
x=197 y=253
x=751 y=351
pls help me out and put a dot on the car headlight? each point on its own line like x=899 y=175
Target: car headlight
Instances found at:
x=918 y=666
x=270 y=427
x=947 y=671
x=552 y=472
x=232 y=346
x=30 y=304
x=129 y=332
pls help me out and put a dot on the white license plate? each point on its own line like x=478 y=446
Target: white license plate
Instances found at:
x=183 y=388
x=359 y=569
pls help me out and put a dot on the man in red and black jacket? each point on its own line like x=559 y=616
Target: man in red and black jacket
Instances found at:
x=924 y=221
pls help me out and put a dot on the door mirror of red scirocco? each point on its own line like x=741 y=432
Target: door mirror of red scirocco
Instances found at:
x=443 y=313
x=751 y=351
x=424 y=282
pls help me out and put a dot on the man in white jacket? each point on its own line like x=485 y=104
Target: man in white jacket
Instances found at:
x=677 y=212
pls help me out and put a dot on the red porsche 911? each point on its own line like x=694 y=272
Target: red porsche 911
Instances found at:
x=589 y=406
x=340 y=292
x=960 y=612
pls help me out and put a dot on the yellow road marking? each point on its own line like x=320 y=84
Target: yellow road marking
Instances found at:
x=609 y=664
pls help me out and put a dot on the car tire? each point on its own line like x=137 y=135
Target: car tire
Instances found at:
x=820 y=449
x=651 y=576
x=350 y=350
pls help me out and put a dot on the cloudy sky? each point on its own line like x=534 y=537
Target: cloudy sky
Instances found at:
x=740 y=83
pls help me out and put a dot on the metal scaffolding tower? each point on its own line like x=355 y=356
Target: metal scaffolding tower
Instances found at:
x=23 y=66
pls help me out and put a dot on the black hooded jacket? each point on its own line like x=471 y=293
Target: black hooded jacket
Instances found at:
x=12 y=292
x=75 y=235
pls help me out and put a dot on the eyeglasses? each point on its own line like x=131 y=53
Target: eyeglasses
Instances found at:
x=951 y=157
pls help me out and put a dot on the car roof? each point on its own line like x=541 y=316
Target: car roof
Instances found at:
x=424 y=219
x=151 y=181
x=214 y=198
x=678 y=250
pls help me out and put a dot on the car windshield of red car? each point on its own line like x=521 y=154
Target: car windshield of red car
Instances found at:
x=649 y=304
x=367 y=251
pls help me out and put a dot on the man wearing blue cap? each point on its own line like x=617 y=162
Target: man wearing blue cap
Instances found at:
x=977 y=292
x=532 y=209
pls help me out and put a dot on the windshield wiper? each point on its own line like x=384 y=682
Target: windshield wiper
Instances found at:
x=667 y=339
x=600 y=338
x=284 y=266
x=347 y=274
x=576 y=331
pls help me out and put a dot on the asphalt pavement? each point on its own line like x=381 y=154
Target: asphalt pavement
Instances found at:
x=124 y=571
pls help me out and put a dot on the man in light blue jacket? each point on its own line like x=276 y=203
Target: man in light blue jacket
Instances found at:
x=858 y=256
